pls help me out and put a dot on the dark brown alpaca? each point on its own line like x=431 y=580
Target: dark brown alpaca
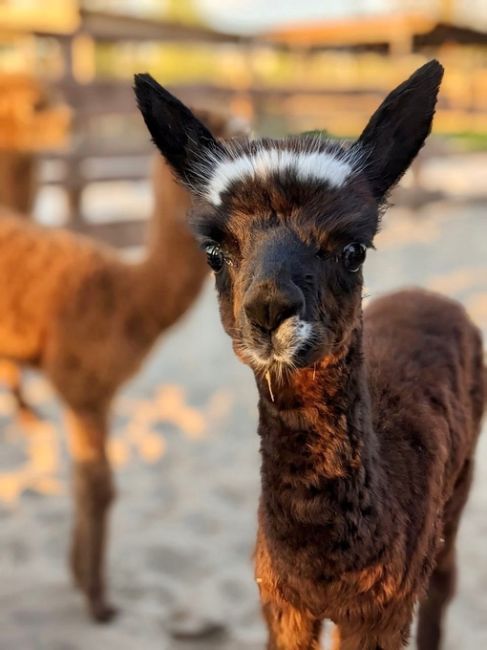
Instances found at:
x=368 y=424
x=87 y=319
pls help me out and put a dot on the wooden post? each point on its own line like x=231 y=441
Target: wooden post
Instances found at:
x=18 y=180
x=73 y=180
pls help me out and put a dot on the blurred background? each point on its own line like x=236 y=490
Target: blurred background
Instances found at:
x=75 y=153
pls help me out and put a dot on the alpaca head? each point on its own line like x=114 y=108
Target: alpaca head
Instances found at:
x=286 y=223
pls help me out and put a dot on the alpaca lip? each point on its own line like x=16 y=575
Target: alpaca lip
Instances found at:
x=288 y=359
x=266 y=351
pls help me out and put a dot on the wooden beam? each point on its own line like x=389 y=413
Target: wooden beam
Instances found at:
x=120 y=234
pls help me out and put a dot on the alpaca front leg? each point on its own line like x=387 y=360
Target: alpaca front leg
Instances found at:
x=11 y=375
x=291 y=629
x=393 y=641
x=288 y=627
x=93 y=493
x=359 y=638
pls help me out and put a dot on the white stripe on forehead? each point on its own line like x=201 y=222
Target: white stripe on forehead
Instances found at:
x=308 y=165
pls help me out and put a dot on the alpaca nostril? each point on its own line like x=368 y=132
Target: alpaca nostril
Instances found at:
x=282 y=313
x=267 y=311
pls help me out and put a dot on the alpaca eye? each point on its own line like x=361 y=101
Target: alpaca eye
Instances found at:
x=215 y=257
x=353 y=256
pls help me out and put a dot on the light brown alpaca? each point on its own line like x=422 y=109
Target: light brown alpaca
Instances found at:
x=72 y=308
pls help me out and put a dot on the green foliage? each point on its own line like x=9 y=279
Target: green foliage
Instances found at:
x=469 y=140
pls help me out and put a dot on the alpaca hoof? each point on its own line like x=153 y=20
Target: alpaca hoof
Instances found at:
x=102 y=612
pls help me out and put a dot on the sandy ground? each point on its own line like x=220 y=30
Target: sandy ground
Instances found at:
x=185 y=448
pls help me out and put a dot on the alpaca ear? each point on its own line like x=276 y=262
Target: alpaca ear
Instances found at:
x=398 y=128
x=186 y=144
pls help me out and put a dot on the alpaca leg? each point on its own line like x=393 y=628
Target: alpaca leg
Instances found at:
x=396 y=639
x=93 y=493
x=443 y=580
x=389 y=631
x=11 y=375
x=432 y=610
x=290 y=629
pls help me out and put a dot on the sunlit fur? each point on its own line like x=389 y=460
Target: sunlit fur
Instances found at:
x=87 y=319
x=368 y=424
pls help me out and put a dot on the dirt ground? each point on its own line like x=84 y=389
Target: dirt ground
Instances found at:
x=186 y=453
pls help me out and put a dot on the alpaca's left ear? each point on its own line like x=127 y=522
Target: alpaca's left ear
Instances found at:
x=398 y=129
x=182 y=139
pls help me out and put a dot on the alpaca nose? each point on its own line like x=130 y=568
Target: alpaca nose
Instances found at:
x=267 y=307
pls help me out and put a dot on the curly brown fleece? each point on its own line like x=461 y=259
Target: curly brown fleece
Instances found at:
x=74 y=309
x=368 y=420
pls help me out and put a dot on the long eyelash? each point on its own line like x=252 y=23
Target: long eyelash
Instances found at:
x=335 y=255
x=205 y=244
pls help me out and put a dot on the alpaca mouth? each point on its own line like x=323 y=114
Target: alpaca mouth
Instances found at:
x=278 y=362
x=286 y=348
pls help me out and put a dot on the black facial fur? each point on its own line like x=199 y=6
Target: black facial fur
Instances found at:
x=179 y=135
x=287 y=247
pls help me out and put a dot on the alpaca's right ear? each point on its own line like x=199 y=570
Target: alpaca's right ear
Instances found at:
x=183 y=140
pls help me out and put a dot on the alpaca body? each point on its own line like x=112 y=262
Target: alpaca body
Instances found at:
x=74 y=309
x=368 y=421
x=342 y=536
